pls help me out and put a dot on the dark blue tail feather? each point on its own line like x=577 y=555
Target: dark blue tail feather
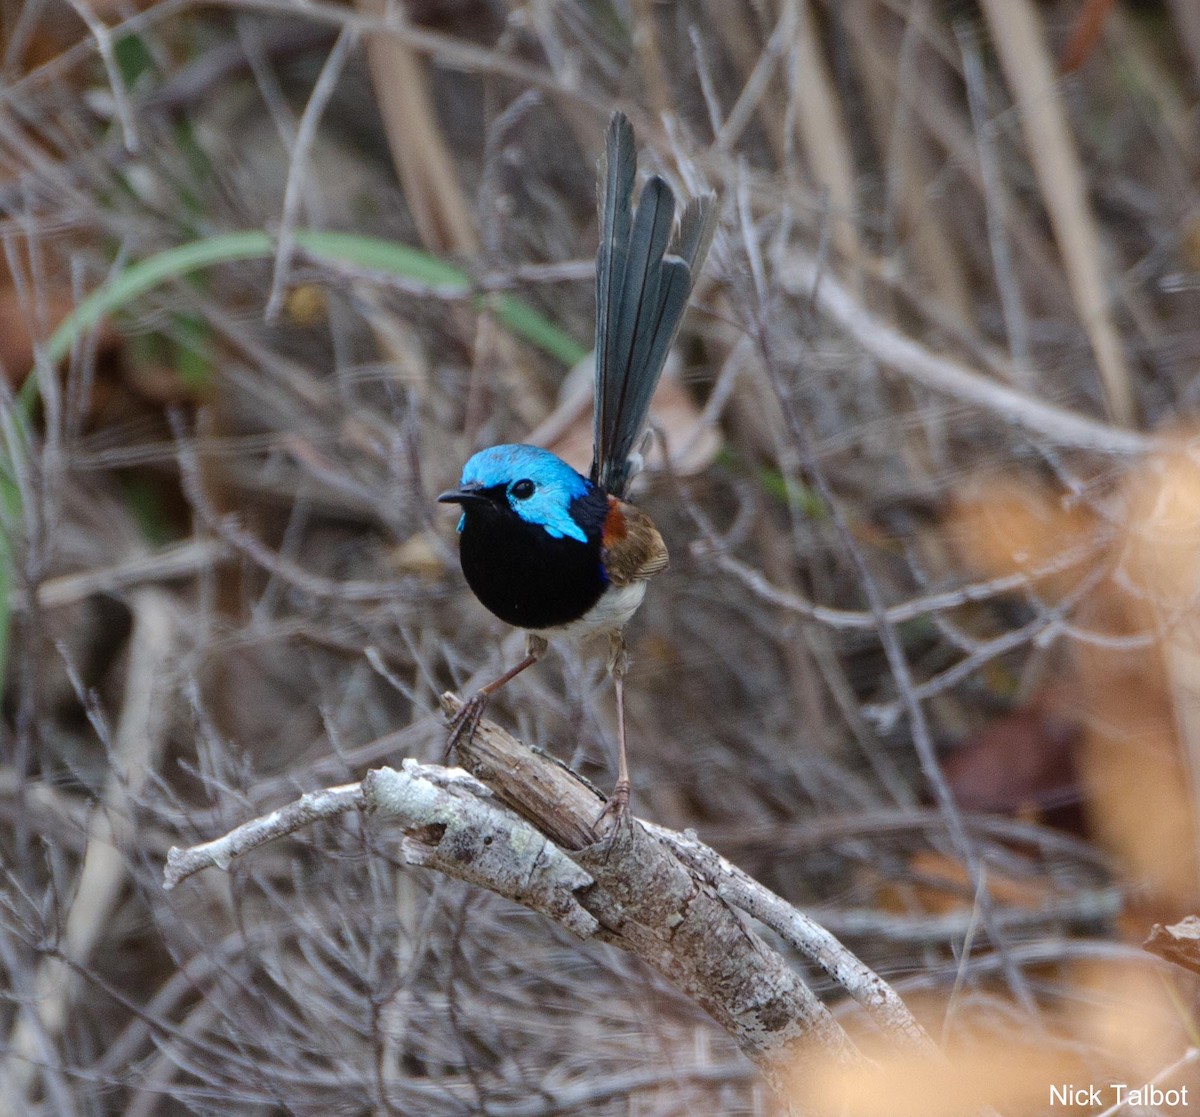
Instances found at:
x=643 y=283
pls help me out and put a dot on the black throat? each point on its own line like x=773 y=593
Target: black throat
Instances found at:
x=523 y=574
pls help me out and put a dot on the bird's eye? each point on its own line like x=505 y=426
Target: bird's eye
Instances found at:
x=522 y=490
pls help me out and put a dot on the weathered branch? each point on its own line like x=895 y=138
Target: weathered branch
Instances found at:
x=519 y=823
x=803 y=276
x=741 y=890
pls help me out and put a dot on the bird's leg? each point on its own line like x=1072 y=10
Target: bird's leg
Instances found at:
x=466 y=721
x=617 y=807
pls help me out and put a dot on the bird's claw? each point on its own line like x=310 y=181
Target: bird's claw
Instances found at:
x=616 y=815
x=465 y=722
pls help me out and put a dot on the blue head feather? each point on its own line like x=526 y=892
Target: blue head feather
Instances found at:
x=556 y=485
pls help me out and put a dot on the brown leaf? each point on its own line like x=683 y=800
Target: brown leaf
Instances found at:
x=1021 y=760
x=1177 y=942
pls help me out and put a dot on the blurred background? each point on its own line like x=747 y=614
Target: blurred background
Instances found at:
x=926 y=658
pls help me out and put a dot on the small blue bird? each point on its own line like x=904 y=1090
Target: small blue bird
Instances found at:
x=543 y=547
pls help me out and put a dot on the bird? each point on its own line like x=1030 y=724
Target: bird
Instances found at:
x=546 y=548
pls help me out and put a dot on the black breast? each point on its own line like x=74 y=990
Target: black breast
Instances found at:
x=526 y=577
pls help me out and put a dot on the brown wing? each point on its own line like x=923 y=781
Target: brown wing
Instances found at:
x=633 y=551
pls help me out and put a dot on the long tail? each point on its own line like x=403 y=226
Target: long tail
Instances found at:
x=643 y=281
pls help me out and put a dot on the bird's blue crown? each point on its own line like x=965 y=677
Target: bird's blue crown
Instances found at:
x=555 y=486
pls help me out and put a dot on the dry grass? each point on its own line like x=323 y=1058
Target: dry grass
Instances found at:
x=230 y=583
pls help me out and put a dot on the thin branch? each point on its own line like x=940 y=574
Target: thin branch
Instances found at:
x=801 y=275
x=1020 y=42
x=104 y=44
x=1012 y=304
x=306 y=133
x=857 y=619
x=178 y=560
x=886 y=714
x=246 y=543
x=313 y=806
x=448 y=50
x=889 y=638
x=136 y=749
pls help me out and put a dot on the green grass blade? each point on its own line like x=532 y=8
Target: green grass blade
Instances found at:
x=412 y=263
x=344 y=248
x=371 y=253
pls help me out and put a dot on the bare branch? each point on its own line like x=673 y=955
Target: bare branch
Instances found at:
x=314 y=806
x=802 y=275
x=330 y=74
x=661 y=896
x=136 y=749
x=807 y=936
x=108 y=54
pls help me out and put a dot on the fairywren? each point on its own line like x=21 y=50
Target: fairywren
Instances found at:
x=543 y=547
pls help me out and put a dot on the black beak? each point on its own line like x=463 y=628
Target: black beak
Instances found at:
x=468 y=494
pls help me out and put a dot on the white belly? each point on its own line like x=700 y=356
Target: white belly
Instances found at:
x=610 y=614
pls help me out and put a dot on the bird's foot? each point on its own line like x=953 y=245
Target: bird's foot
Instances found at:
x=465 y=722
x=616 y=815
